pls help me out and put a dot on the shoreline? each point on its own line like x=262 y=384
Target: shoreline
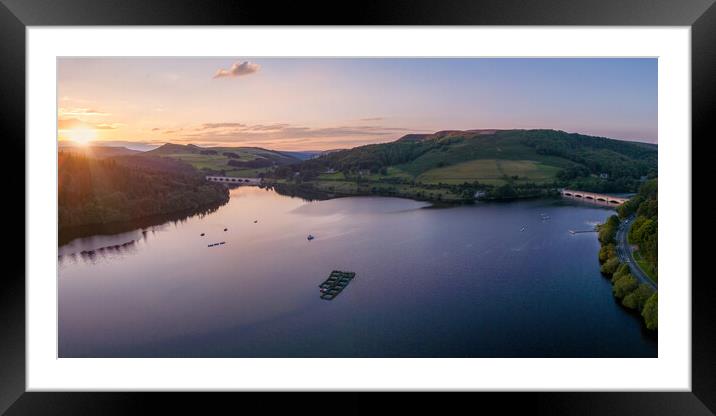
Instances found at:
x=309 y=190
x=67 y=235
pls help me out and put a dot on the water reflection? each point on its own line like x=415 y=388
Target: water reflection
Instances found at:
x=69 y=234
x=457 y=282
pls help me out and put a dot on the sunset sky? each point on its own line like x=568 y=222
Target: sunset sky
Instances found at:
x=320 y=103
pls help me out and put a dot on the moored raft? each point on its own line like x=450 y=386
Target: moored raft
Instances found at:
x=334 y=285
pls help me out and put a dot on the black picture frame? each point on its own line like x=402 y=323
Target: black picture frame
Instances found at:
x=15 y=15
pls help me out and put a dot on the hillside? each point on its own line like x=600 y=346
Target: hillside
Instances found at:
x=498 y=161
x=305 y=155
x=229 y=161
x=101 y=191
x=98 y=151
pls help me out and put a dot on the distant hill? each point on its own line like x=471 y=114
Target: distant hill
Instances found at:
x=230 y=161
x=171 y=148
x=499 y=157
x=99 y=152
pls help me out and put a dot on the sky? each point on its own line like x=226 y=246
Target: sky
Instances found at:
x=332 y=103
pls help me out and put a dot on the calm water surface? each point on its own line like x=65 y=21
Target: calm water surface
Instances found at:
x=454 y=282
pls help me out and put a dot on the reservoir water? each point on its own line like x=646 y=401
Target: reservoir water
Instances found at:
x=483 y=280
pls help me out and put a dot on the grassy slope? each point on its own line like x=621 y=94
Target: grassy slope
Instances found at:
x=491 y=172
x=487 y=159
x=490 y=147
x=219 y=162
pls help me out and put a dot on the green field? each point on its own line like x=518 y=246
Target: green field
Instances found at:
x=398 y=190
x=392 y=172
x=397 y=182
x=482 y=148
x=491 y=172
x=219 y=162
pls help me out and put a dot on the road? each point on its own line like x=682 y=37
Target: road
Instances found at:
x=626 y=255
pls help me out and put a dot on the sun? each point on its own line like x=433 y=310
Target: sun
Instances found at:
x=81 y=135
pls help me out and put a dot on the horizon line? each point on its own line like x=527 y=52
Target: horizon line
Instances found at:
x=118 y=143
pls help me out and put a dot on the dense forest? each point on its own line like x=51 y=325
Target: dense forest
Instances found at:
x=643 y=232
x=100 y=191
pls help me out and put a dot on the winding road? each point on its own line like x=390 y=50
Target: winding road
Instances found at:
x=626 y=255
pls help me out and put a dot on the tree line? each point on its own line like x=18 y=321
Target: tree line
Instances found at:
x=100 y=191
x=644 y=231
x=625 y=287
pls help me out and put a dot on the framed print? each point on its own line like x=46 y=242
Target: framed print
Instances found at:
x=419 y=197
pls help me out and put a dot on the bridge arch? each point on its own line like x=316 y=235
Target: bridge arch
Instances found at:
x=594 y=197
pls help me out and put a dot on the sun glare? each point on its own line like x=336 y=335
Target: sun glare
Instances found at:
x=81 y=136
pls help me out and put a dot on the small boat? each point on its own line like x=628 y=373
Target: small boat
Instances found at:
x=226 y=229
x=223 y=242
x=310 y=237
x=255 y=221
x=202 y=234
x=523 y=228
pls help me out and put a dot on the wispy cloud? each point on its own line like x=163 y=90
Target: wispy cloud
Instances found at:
x=286 y=135
x=238 y=70
x=75 y=123
x=372 y=119
x=207 y=126
x=108 y=126
x=79 y=112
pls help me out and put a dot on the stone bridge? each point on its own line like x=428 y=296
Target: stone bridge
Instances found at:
x=232 y=180
x=594 y=197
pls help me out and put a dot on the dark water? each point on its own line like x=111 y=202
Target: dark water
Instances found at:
x=453 y=282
